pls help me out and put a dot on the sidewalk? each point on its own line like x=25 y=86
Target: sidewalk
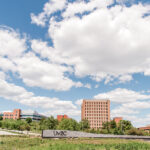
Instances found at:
x=19 y=132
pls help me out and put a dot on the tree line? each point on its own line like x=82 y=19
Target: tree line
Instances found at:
x=44 y=124
x=123 y=127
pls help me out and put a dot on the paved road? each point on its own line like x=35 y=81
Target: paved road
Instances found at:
x=7 y=133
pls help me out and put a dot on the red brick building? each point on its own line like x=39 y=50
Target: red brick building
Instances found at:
x=96 y=112
x=117 y=119
x=12 y=115
x=147 y=128
x=59 y=117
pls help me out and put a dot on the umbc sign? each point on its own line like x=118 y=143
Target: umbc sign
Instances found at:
x=78 y=134
x=60 y=133
x=54 y=133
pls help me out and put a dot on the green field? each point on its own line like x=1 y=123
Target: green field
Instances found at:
x=31 y=143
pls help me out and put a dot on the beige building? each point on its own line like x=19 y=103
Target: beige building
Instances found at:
x=96 y=112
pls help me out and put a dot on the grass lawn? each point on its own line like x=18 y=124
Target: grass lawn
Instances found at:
x=30 y=143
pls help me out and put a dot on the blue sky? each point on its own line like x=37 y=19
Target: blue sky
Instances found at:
x=55 y=53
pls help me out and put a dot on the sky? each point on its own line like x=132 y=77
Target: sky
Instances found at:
x=54 y=54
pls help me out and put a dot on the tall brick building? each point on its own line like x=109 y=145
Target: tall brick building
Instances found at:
x=96 y=112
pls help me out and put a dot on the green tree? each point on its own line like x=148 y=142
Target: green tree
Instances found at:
x=28 y=120
x=50 y=123
x=69 y=124
x=113 y=124
x=1 y=118
x=106 y=125
x=125 y=125
x=84 y=124
x=116 y=131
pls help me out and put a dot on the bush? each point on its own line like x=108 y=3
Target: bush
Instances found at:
x=27 y=127
x=134 y=131
x=1 y=118
x=28 y=120
x=22 y=128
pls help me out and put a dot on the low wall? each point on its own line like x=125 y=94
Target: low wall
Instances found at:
x=78 y=134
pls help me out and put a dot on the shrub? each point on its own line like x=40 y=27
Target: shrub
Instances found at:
x=134 y=131
x=28 y=120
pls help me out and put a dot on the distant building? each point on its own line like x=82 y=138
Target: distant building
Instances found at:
x=147 y=128
x=12 y=115
x=96 y=112
x=59 y=117
x=31 y=114
x=19 y=114
x=117 y=119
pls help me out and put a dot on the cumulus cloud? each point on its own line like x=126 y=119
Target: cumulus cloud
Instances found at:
x=79 y=102
x=71 y=9
x=120 y=95
x=13 y=92
x=2 y=75
x=7 y=64
x=107 y=43
x=36 y=72
x=80 y=7
x=50 y=7
x=88 y=86
x=11 y=42
x=123 y=111
x=131 y=104
x=19 y=94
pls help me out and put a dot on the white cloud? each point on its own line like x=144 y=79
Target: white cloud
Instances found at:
x=13 y=92
x=106 y=44
x=71 y=9
x=88 y=86
x=49 y=8
x=19 y=94
x=125 y=78
x=80 y=7
x=133 y=112
x=131 y=105
x=121 y=111
x=120 y=95
x=35 y=72
x=79 y=102
x=11 y=42
x=137 y=105
x=2 y=75
x=7 y=65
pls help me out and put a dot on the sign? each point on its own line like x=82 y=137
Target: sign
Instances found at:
x=76 y=134
x=60 y=133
